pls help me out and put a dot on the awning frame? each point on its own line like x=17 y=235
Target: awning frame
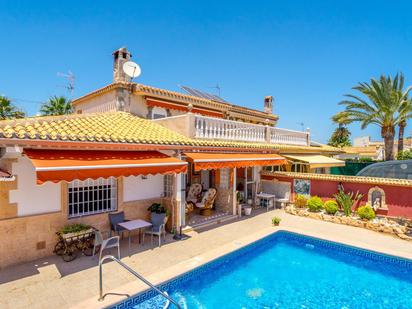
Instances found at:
x=68 y=165
x=212 y=161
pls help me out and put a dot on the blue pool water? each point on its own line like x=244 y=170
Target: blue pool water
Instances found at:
x=287 y=270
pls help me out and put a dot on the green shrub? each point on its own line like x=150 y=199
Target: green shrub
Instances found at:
x=158 y=208
x=300 y=201
x=366 y=212
x=315 y=204
x=276 y=220
x=74 y=228
x=346 y=201
x=331 y=207
x=404 y=155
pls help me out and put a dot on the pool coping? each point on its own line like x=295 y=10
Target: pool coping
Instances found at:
x=181 y=268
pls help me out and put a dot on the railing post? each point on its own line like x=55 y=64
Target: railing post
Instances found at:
x=100 y=281
x=267 y=132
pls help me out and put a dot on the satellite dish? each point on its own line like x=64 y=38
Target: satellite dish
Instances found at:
x=131 y=69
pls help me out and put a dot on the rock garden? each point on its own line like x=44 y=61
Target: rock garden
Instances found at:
x=342 y=210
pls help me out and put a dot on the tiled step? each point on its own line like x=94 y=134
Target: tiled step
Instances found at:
x=207 y=223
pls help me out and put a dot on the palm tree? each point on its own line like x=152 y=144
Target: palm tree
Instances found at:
x=383 y=100
x=8 y=110
x=56 y=106
x=341 y=136
x=405 y=113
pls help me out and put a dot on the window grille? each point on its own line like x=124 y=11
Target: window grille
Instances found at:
x=168 y=185
x=92 y=196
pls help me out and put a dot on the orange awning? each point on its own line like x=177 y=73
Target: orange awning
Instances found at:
x=207 y=161
x=68 y=165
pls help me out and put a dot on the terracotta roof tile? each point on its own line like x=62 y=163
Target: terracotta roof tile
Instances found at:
x=353 y=179
x=121 y=127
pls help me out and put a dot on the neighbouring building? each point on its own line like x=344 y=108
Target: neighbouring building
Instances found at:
x=129 y=145
x=364 y=147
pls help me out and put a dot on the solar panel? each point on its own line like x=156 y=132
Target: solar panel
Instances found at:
x=202 y=94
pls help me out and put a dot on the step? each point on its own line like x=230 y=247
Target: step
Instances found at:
x=194 y=227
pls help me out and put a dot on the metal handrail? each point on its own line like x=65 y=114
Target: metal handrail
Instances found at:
x=111 y=257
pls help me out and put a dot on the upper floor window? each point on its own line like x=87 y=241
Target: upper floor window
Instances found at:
x=92 y=196
x=158 y=112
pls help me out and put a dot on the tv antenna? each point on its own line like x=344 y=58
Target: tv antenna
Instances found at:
x=217 y=87
x=70 y=81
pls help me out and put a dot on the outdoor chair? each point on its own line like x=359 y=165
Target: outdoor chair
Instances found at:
x=283 y=200
x=194 y=192
x=157 y=230
x=206 y=204
x=115 y=219
x=280 y=189
x=111 y=242
x=193 y=195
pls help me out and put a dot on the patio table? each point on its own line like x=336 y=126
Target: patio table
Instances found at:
x=267 y=197
x=133 y=225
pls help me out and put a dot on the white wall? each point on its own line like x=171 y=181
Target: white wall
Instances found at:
x=136 y=188
x=32 y=198
x=99 y=104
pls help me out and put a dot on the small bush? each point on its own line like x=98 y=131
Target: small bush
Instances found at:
x=300 y=201
x=74 y=228
x=158 y=208
x=315 y=204
x=331 y=207
x=276 y=220
x=347 y=200
x=366 y=212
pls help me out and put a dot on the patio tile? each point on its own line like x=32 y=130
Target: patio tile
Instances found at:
x=52 y=283
x=19 y=301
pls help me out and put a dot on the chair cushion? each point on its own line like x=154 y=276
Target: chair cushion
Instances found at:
x=194 y=191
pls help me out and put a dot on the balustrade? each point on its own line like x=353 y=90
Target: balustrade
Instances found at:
x=222 y=129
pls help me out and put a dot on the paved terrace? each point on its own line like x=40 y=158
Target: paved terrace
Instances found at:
x=52 y=283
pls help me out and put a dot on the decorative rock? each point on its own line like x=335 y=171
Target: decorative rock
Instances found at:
x=403 y=236
x=379 y=224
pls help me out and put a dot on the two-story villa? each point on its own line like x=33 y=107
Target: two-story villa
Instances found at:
x=129 y=145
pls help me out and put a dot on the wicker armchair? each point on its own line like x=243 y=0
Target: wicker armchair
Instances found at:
x=206 y=204
x=193 y=194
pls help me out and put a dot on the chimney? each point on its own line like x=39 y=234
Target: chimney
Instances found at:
x=120 y=56
x=268 y=105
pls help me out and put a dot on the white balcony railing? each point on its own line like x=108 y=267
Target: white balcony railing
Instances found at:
x=215 y=128
x=289 y=137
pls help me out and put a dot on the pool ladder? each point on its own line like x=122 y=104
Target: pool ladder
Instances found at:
x=138 y=276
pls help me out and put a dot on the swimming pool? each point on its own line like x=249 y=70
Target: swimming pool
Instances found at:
x=287 y=270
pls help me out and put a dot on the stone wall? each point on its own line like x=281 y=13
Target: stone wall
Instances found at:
x=7 y=209
x=224 y=200
x=398 y=197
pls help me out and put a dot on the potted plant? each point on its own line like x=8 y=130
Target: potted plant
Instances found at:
x=276 y=221
x=75 y=229
x=159 y=214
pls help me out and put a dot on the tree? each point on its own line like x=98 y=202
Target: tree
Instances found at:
x=341 y=136
x=405 y=113
x=404 y=155
x=8 y=110
x=56 y=106
x=380 y=105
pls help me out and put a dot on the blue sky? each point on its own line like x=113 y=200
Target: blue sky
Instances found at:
x=307 y=54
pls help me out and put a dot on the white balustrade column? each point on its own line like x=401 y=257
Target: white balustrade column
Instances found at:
x=235 y=210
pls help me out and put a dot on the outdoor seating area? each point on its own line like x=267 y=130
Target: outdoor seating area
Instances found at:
x=198 y=201
x=80 y=239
